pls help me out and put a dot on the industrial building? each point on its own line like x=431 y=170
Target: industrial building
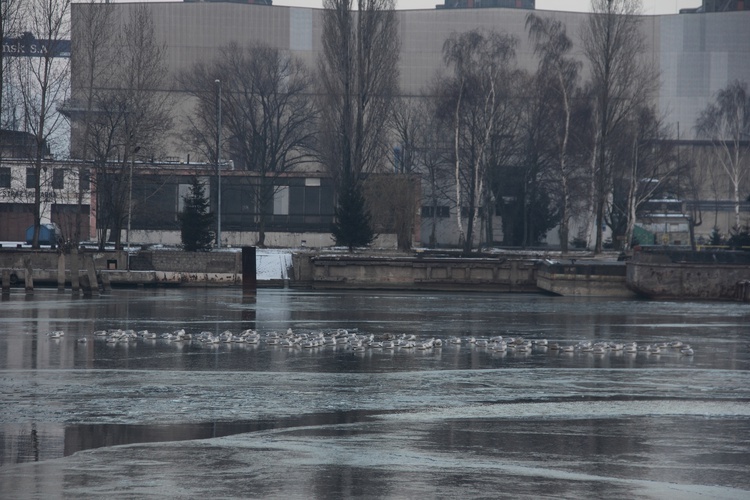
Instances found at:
x=697 y=54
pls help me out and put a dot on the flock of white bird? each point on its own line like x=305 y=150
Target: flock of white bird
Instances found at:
x=360 y=342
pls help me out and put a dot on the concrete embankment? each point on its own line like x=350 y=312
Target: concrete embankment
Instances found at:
x=676 y=274
x=416 y=272
x=654 y=274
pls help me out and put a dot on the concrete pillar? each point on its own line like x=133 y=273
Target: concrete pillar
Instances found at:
x=91 y=272
x=249 y=270
x=85 y=285
x=61 y=272
x=106 y=285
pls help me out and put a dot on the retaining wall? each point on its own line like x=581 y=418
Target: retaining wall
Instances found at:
x=416 y=273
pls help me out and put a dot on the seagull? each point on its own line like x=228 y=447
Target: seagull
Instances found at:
x=686 y=350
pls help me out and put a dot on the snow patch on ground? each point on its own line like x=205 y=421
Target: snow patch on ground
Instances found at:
x=272 y=265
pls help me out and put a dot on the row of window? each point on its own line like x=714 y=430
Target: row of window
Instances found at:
x=58 y=178
x=439 y=211
x=443 y=212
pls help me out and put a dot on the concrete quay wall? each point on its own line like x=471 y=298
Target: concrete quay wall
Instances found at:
x=585 y=280
x=415 y=273
x=684 y=281
x=177 y=261
x=678 y=274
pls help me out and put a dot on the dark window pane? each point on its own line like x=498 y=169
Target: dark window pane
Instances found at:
x=84 y=180
x=30 y=178
x=4 y=177
x=58 y=178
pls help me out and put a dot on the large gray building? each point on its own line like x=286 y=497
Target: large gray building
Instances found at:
x=697 y=53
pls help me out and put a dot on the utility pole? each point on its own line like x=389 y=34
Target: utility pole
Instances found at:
x=218 y=163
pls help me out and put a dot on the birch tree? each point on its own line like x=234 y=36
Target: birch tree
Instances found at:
x=651 y=173
x=478 y=93
x=726 y=123
x=553 y=46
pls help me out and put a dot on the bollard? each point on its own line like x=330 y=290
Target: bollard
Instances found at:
x=249 y=278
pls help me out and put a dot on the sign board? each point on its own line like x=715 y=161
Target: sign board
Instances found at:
x=28 y=46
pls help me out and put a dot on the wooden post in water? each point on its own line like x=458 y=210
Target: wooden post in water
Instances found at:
x=6 y=281
x=61 y=272
x=75 y=269
x=29 y=278
x=249 y=278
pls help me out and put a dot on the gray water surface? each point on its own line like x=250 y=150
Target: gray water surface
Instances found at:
x=159 y=418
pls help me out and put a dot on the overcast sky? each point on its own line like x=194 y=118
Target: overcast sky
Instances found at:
x=649 y=6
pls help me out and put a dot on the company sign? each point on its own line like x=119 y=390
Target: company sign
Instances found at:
x=28 y=46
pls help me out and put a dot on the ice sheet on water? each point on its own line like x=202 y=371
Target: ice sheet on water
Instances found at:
x=143 y=396
x=580 y=410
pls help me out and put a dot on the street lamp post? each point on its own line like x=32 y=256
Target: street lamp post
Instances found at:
x=130 y=203
x=218 y=163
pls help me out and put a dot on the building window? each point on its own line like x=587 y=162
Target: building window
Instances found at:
x=442 y=211
x=4 y=177
x=58 y=178
x=281 y=201
x=30 y=178
x=84 y=180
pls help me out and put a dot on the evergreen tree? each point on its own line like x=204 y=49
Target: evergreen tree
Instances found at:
x=353 y=226
x=196 y=220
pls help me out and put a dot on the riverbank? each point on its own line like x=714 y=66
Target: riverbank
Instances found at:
x=654 y=272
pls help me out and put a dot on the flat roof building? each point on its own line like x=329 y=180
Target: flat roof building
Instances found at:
x=696 y=54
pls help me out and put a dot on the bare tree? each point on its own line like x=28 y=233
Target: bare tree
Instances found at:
x=10 y=12
x=358 y=72
x=432 y=156
x=408 y=125
x=130 y=114
x=552 y=45
x=694 y=176
x=478 y=96
x=622 y=80
x=94 y=28
x=43 y=82
x=726 y=122
x=268 y=119
x=392 y=201
x=649 y=153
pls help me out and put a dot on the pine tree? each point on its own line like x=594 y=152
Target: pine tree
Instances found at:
x=196 y=220
x=353 y=226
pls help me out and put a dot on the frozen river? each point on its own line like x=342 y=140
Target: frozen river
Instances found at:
x=161 y=418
